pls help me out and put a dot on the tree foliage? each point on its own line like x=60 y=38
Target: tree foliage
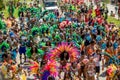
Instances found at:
x=2 y=5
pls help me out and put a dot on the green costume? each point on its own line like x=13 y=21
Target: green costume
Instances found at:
x=4 y=44
x=38 y=13
x=44 y=12
x=55 y=26
x=72 y=7
x=28 y=53
x=43 y=28
x=74 y=25
x=21 y=9
x=57 y=37
x=74 y=35
x=11 y=10
x=51 y=15
x=35 y=30
x=39 y=51
x=34 y=11
x=42 y=44
x=2 y=24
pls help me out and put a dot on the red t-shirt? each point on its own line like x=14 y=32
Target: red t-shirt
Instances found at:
x=97 y=12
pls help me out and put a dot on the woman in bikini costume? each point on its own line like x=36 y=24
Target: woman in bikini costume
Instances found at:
x=67 y=76
x=33 y=52
x=64 y=57
x=82 y=65
x=90 y=70
x=74 y=70
x=110 y=72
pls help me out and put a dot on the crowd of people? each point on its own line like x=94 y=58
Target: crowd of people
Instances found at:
x=72 y=43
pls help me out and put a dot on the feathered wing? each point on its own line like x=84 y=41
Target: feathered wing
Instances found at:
x=113 y=58
x=107 y=54
x=40 y=52
x=64 y=47
x=51 y=66
x=28 y=53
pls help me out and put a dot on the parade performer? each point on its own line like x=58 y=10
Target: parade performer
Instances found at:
x=32 y=50
x=112 y=59
x=111 y=70
x=21 y=10
x=2 y=24
x=50 y=69
x=34 y=66
x=64 y=24
x=11 y=10
x=4 y=69
x=35 y=30
x=65 y=51
x=22 y=50
x=4 y=46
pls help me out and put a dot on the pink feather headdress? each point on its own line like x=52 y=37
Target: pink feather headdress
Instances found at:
x=64 y=47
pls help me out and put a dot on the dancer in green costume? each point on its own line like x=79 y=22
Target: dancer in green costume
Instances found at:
x=43 y=28
x=21 y=9
x=35 y=30
x=11 y=9
x=72 y=7
x=2 y=25
x=39 y=52
x=4 y=45
x=57 y=38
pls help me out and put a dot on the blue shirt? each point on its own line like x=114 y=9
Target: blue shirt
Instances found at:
x=103 y=46
x=88 y=37
x=115 y=45
x=98 y=38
